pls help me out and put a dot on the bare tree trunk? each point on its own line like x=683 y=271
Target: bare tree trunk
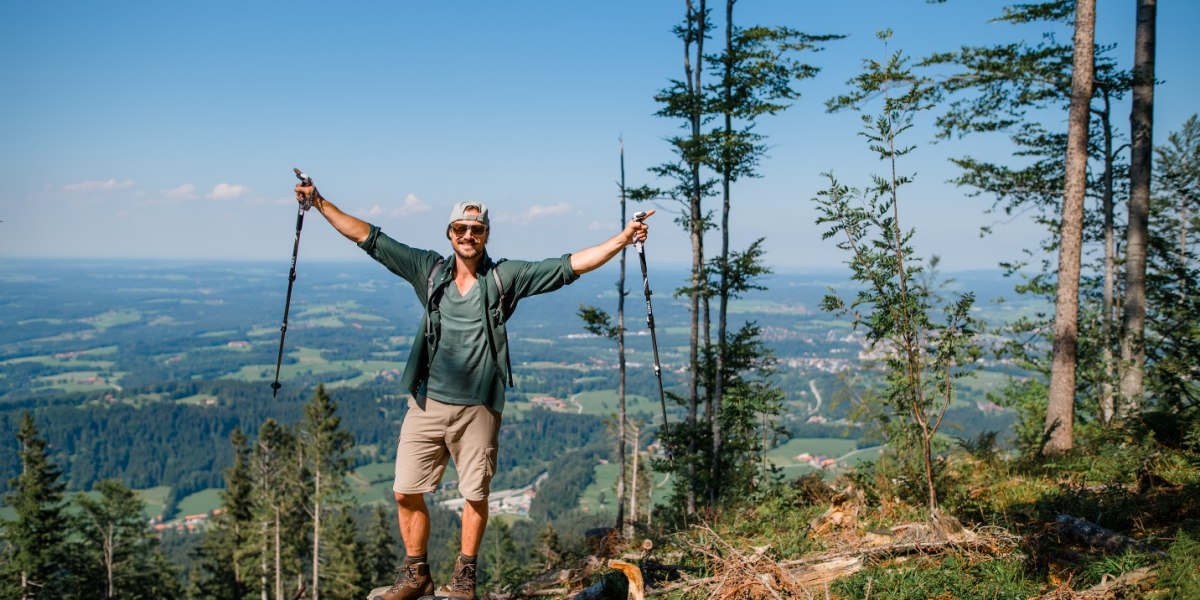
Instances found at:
x=633 y=480
x=263 y=586
x=1060 y=406
x=1141 y=117
x=723 y=284
x=696 y=219
x=278 y=556
x=109 y=552
x=625 y=528
x=316 y=547
x=1108 y=316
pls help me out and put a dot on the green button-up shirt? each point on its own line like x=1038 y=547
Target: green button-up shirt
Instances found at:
x=518 y=278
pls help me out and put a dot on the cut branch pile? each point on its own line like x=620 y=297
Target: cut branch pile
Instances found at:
x=755 y=575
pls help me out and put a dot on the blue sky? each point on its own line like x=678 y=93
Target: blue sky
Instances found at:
x=169 y=129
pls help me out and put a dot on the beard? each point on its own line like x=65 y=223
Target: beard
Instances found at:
x=468 y=251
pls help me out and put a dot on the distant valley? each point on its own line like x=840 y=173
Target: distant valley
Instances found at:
x=139 y=370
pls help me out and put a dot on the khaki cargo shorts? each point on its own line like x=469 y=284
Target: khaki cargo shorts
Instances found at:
x=435 y=432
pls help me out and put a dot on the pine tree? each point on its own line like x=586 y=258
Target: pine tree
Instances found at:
x=1060 y=407
x=36 y=539
x=1173 y=279
x=1141 y=117
x=1009 y=88
x=223 y=564
x=379 y=551
x=274 y=469
x=346 y=574
x=756 y=76
x=325 y=451
x=498 y=556
x=122 y=553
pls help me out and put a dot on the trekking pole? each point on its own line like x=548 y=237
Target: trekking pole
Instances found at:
x=287 y=304
x=641 y=250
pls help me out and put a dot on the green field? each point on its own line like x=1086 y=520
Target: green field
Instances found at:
x=202 y=502
x=80 y=381
x=309 y=360
x=198 y=399
x=155 y=499
x=372 y=483
x=784 y=456
x=83 y=371
x=604 y=484
x=605 y=481
x=113 y=318
x=604 y=403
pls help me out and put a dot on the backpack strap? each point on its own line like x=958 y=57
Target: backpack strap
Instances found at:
x=503 y=309
x=437 y=266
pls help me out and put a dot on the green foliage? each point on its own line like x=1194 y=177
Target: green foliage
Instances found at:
x=1173 y=273
x=35 y=542
x=345 y=573
x=60 y=551
x=1112 y=565
x=278 y=544
x=120 y=553
x=1028 y=397
x=381 y=545
x=947 y=577
x=1178 y=573
x=499 y=561
x=895 y=303
x=223 y=562
x=597 y=322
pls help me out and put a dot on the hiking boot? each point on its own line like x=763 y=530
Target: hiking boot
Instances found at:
x=462 y=584
x=412 y=582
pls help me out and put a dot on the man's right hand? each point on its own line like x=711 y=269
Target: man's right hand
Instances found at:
x=304 y=192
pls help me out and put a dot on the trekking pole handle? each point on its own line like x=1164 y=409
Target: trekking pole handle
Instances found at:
x=640 y=216
x=307 y=181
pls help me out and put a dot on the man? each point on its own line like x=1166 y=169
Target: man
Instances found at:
x=457 y=369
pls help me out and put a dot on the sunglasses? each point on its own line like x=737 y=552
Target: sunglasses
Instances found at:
x=460 y=229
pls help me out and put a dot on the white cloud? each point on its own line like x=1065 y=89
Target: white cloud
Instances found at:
x=227 y=191
x=412 y=205
x=97 y=185
x=537 y=211
x=186 y=191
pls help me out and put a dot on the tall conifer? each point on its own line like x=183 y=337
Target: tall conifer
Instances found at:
x=37 y=536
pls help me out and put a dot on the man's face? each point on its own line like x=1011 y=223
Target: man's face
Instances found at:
x=468 y=237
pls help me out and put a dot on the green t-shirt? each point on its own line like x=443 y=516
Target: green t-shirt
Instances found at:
x=521 y=279
x=457 y=366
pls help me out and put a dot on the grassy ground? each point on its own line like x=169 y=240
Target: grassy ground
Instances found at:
x=1135 y=490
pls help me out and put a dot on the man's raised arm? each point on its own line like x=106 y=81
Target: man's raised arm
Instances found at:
x=355 y=229
x=590 y=259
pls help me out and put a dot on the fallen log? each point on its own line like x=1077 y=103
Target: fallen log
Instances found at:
x=1095 y=536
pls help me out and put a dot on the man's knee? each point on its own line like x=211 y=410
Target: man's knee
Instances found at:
x=409 y=501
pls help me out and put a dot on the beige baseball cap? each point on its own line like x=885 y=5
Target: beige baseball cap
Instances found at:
x=459 y=213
